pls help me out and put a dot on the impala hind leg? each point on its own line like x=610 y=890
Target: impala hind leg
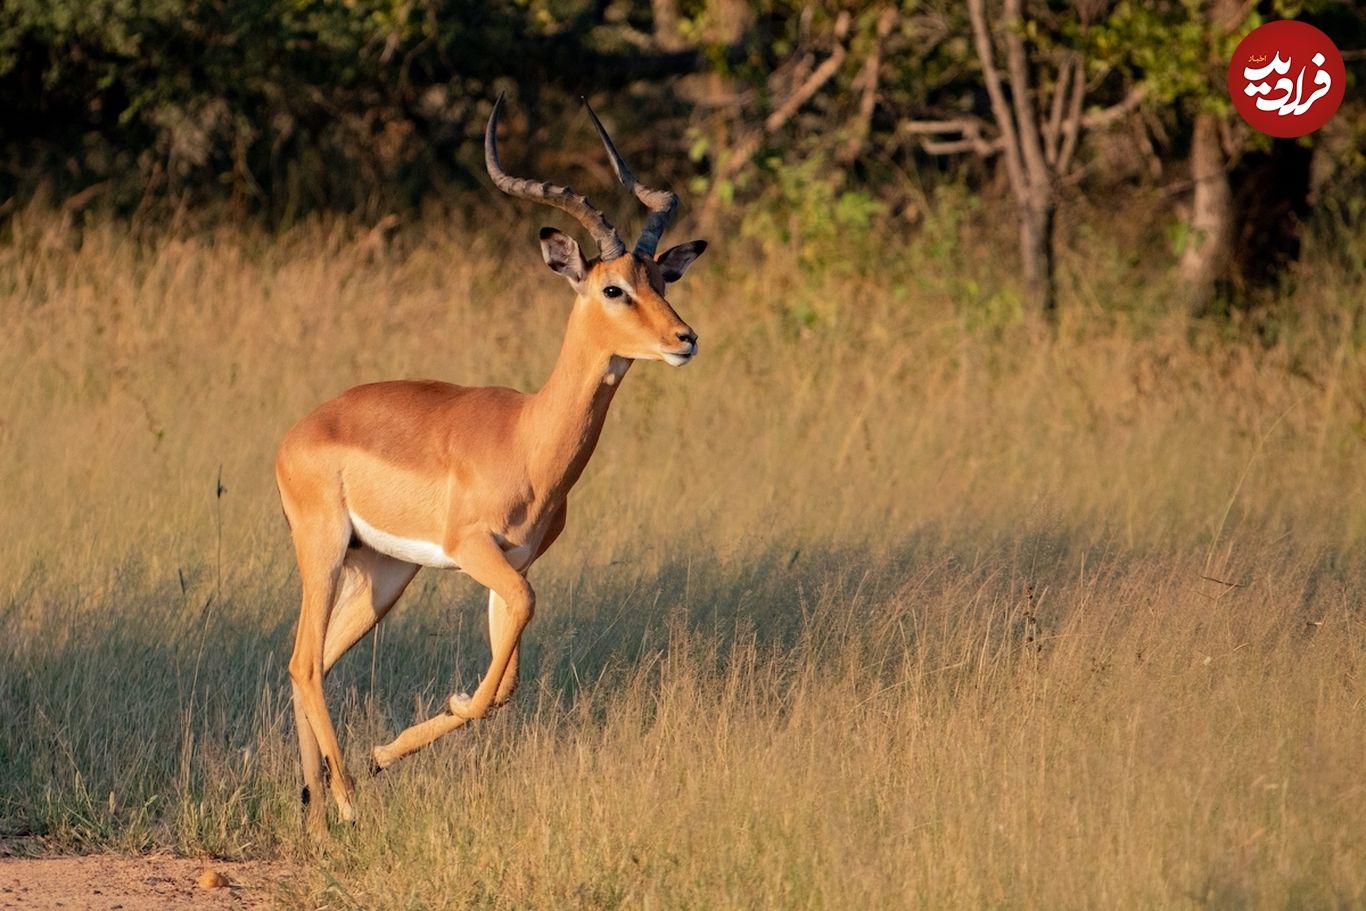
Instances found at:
x=313 y=797
x=370 y=583
x=321 y=549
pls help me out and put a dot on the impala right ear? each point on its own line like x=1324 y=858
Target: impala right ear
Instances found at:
x=562 y=255
x=674 y=261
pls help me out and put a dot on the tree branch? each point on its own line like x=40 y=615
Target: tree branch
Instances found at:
x=975 y=144
x=744 y=150
x=813 y=84
x=1025 y=119
x=1227 y=17
x=969 y=129
x=1054 y=127
x=957 y=125
x=1072 y=125
x=999 y=107
x=886 y=19
x=1104 y=117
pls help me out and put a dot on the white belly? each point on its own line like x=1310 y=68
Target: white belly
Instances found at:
x=410 y=550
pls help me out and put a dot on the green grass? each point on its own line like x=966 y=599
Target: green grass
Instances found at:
x=889 y=600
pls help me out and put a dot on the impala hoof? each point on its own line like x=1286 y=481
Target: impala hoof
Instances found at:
x=315 y=824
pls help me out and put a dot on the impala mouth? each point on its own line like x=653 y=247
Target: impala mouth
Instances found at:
x=681 y=356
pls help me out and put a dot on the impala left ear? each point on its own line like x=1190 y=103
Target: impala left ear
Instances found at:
x=561 y=253
x=674 y=261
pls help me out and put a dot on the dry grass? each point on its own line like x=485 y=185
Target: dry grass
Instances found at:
x=880 y=604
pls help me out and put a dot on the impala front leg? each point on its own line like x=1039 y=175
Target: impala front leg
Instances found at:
x=501 y=619
x=483 y=560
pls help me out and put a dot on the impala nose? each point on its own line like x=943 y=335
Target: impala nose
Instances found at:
x=678 y=358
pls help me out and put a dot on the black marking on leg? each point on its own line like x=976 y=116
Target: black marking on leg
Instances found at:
x=375 y=767
x=305 y=796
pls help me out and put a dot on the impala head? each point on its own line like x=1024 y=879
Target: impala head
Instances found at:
x=621 y=294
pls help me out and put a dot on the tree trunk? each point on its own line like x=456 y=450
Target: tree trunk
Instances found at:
x=1206 y=259
x=1036 y=256
x=1033 y=171
x=1206 y=256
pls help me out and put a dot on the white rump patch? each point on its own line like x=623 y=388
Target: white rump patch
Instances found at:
x=410 y=550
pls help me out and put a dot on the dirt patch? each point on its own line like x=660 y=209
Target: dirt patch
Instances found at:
x=104 y=882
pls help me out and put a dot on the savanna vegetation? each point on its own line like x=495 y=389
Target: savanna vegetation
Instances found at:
x=918 y=589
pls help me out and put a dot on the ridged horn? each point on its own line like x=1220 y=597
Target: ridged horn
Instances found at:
x=661 y=203
x=563 y=198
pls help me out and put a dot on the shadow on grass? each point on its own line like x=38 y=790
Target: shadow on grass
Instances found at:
x=147 y=714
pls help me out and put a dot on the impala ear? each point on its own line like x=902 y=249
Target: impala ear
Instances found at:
x=674 y=261
x=562 y=255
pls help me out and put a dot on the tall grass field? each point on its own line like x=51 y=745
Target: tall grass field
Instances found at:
x=891 y=599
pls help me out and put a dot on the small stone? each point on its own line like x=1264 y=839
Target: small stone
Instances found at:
x=212 y=879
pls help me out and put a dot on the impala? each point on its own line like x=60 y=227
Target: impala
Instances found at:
x=390 y=477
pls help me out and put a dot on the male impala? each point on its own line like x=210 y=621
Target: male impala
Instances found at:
x=389 y=477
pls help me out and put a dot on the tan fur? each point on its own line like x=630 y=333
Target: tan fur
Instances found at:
x=480 y=473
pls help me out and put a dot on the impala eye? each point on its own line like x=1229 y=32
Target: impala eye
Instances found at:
x=612 y=291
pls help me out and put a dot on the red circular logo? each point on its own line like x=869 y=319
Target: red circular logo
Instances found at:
x=1286 y=78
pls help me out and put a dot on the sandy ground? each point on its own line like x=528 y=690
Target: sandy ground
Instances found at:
x=105 y=882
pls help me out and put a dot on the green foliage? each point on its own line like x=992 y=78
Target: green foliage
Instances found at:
x=1167 y=44
x=806 y=209
x=1177 y=51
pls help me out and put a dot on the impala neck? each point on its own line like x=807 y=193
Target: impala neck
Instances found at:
x=565 y=418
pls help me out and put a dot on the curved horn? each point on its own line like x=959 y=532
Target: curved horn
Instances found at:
x=562 y=198
x=661 y=203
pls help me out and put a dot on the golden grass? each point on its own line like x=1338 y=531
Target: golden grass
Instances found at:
x=879 y=604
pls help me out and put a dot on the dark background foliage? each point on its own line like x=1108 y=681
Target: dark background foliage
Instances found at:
x=271 y=110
